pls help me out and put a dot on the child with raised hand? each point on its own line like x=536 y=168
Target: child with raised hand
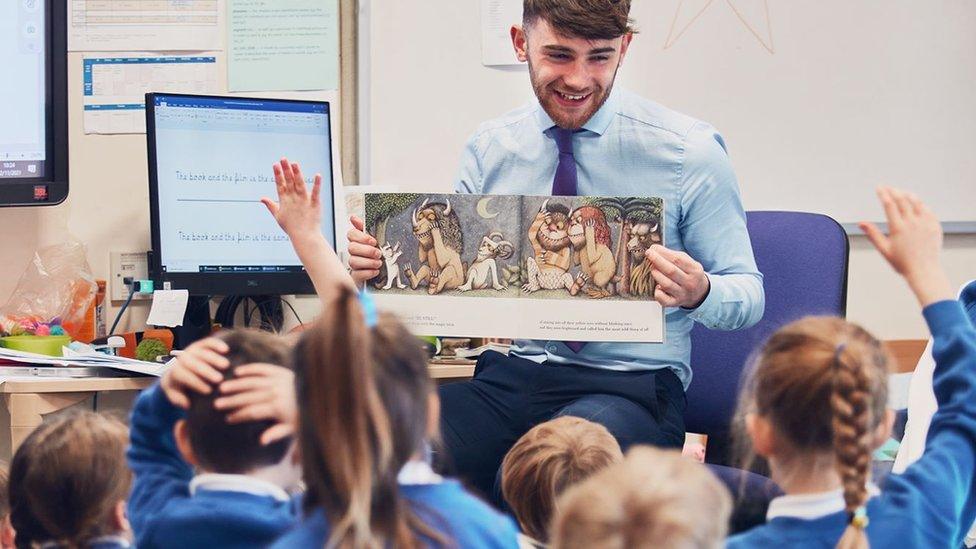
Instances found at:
x=546 y=461
x=205 y=475
x=814 y=407
x=367 y=411
x=68 y=483
x=653 y=499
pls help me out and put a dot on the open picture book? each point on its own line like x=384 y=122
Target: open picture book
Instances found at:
x=534 y=267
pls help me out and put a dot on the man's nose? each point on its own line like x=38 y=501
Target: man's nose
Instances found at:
x=577 y=76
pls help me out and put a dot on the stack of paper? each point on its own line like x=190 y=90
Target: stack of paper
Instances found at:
x=92 y=360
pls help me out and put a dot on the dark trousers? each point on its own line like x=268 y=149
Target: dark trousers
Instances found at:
x=482 y=418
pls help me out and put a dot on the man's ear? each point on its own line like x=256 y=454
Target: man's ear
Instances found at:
x=182 y=435
x=762 y=435
x=520 y=43
x=624 y=47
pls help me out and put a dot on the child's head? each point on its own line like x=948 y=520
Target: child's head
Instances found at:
x=546 y=461
x=207 y=439
x=367 y=406
x=815 y=405
x=69 y=481
x=653 y=498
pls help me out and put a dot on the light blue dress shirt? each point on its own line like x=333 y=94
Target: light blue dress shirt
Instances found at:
x=635 y=147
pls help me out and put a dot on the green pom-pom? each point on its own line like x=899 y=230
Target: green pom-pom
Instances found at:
x=57 y=330
x=149 y=348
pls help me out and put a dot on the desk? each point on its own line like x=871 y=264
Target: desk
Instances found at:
x=27 y=400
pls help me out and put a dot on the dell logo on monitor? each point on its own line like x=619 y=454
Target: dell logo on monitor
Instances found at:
x=252 y=283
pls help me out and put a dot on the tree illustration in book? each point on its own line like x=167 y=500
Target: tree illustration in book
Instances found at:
x=524 y=248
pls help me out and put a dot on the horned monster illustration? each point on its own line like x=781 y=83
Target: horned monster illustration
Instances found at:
x=440 y=241
x=642 y=235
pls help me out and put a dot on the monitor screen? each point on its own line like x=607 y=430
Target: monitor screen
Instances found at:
x=33 y=136
x=210 y=163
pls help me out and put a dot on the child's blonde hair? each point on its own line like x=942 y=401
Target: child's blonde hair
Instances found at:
x=822 y=383
x=654 y=498
x=547 y=460
x=67 y=478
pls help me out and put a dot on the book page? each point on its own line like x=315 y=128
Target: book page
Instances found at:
x=569 y=268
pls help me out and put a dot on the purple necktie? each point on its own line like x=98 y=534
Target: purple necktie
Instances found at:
x=564 y=184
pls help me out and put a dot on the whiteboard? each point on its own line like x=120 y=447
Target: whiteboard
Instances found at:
x=819 y=101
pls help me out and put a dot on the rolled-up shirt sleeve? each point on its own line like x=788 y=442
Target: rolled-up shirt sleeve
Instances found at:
x=713 y=232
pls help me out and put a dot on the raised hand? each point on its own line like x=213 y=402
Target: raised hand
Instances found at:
x=197 y=369
x=681 y=281
x=297 y=211
x=913 y=244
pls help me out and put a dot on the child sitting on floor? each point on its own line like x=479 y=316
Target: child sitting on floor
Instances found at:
x=653 y=499
x=68 y=483
x=239 y=494
x=815 y=408
x=548 y=459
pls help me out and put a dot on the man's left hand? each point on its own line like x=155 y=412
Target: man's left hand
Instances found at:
x=681 y=281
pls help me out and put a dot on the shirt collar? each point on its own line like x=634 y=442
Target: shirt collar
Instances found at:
x=811 y=506
x=598 y=123
x=237 y=483
x=418 y=472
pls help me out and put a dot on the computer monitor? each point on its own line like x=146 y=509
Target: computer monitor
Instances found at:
x=210 y=163
x=33 y=103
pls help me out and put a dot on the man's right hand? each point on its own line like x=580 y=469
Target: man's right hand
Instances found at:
x=364 y=253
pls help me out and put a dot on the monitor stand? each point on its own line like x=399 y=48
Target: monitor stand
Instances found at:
x=196 y=322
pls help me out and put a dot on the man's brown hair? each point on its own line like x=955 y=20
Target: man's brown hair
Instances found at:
x=589 y=19
x=228 y=448
x=547 y=460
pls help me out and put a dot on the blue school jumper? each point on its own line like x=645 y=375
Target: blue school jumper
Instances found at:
x=163 y=510
x=931 y=504
x=445 y=506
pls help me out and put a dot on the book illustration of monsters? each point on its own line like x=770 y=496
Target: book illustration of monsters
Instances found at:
x=564 y=240
x=437 y=226
x=440 y=240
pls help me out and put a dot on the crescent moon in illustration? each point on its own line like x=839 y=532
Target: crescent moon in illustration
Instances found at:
x=483 y=208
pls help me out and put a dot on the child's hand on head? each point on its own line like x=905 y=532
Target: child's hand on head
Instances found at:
x=261 y=392
x=297 y=211
x=913 y=244
x=196 y=369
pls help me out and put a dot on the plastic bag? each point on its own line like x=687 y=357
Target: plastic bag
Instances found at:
x=57 y=288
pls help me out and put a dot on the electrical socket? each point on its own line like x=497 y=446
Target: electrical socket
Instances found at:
x=125 y=264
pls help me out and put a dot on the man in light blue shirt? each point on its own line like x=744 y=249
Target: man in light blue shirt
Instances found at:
x=602 y=142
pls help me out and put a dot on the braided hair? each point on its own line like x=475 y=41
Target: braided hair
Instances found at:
x=822 y=384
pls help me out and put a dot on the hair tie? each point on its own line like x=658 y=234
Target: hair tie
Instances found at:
x=369 y=308
x=859 y=518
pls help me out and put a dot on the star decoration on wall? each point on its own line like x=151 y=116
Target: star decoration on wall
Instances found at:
x=753 y=14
